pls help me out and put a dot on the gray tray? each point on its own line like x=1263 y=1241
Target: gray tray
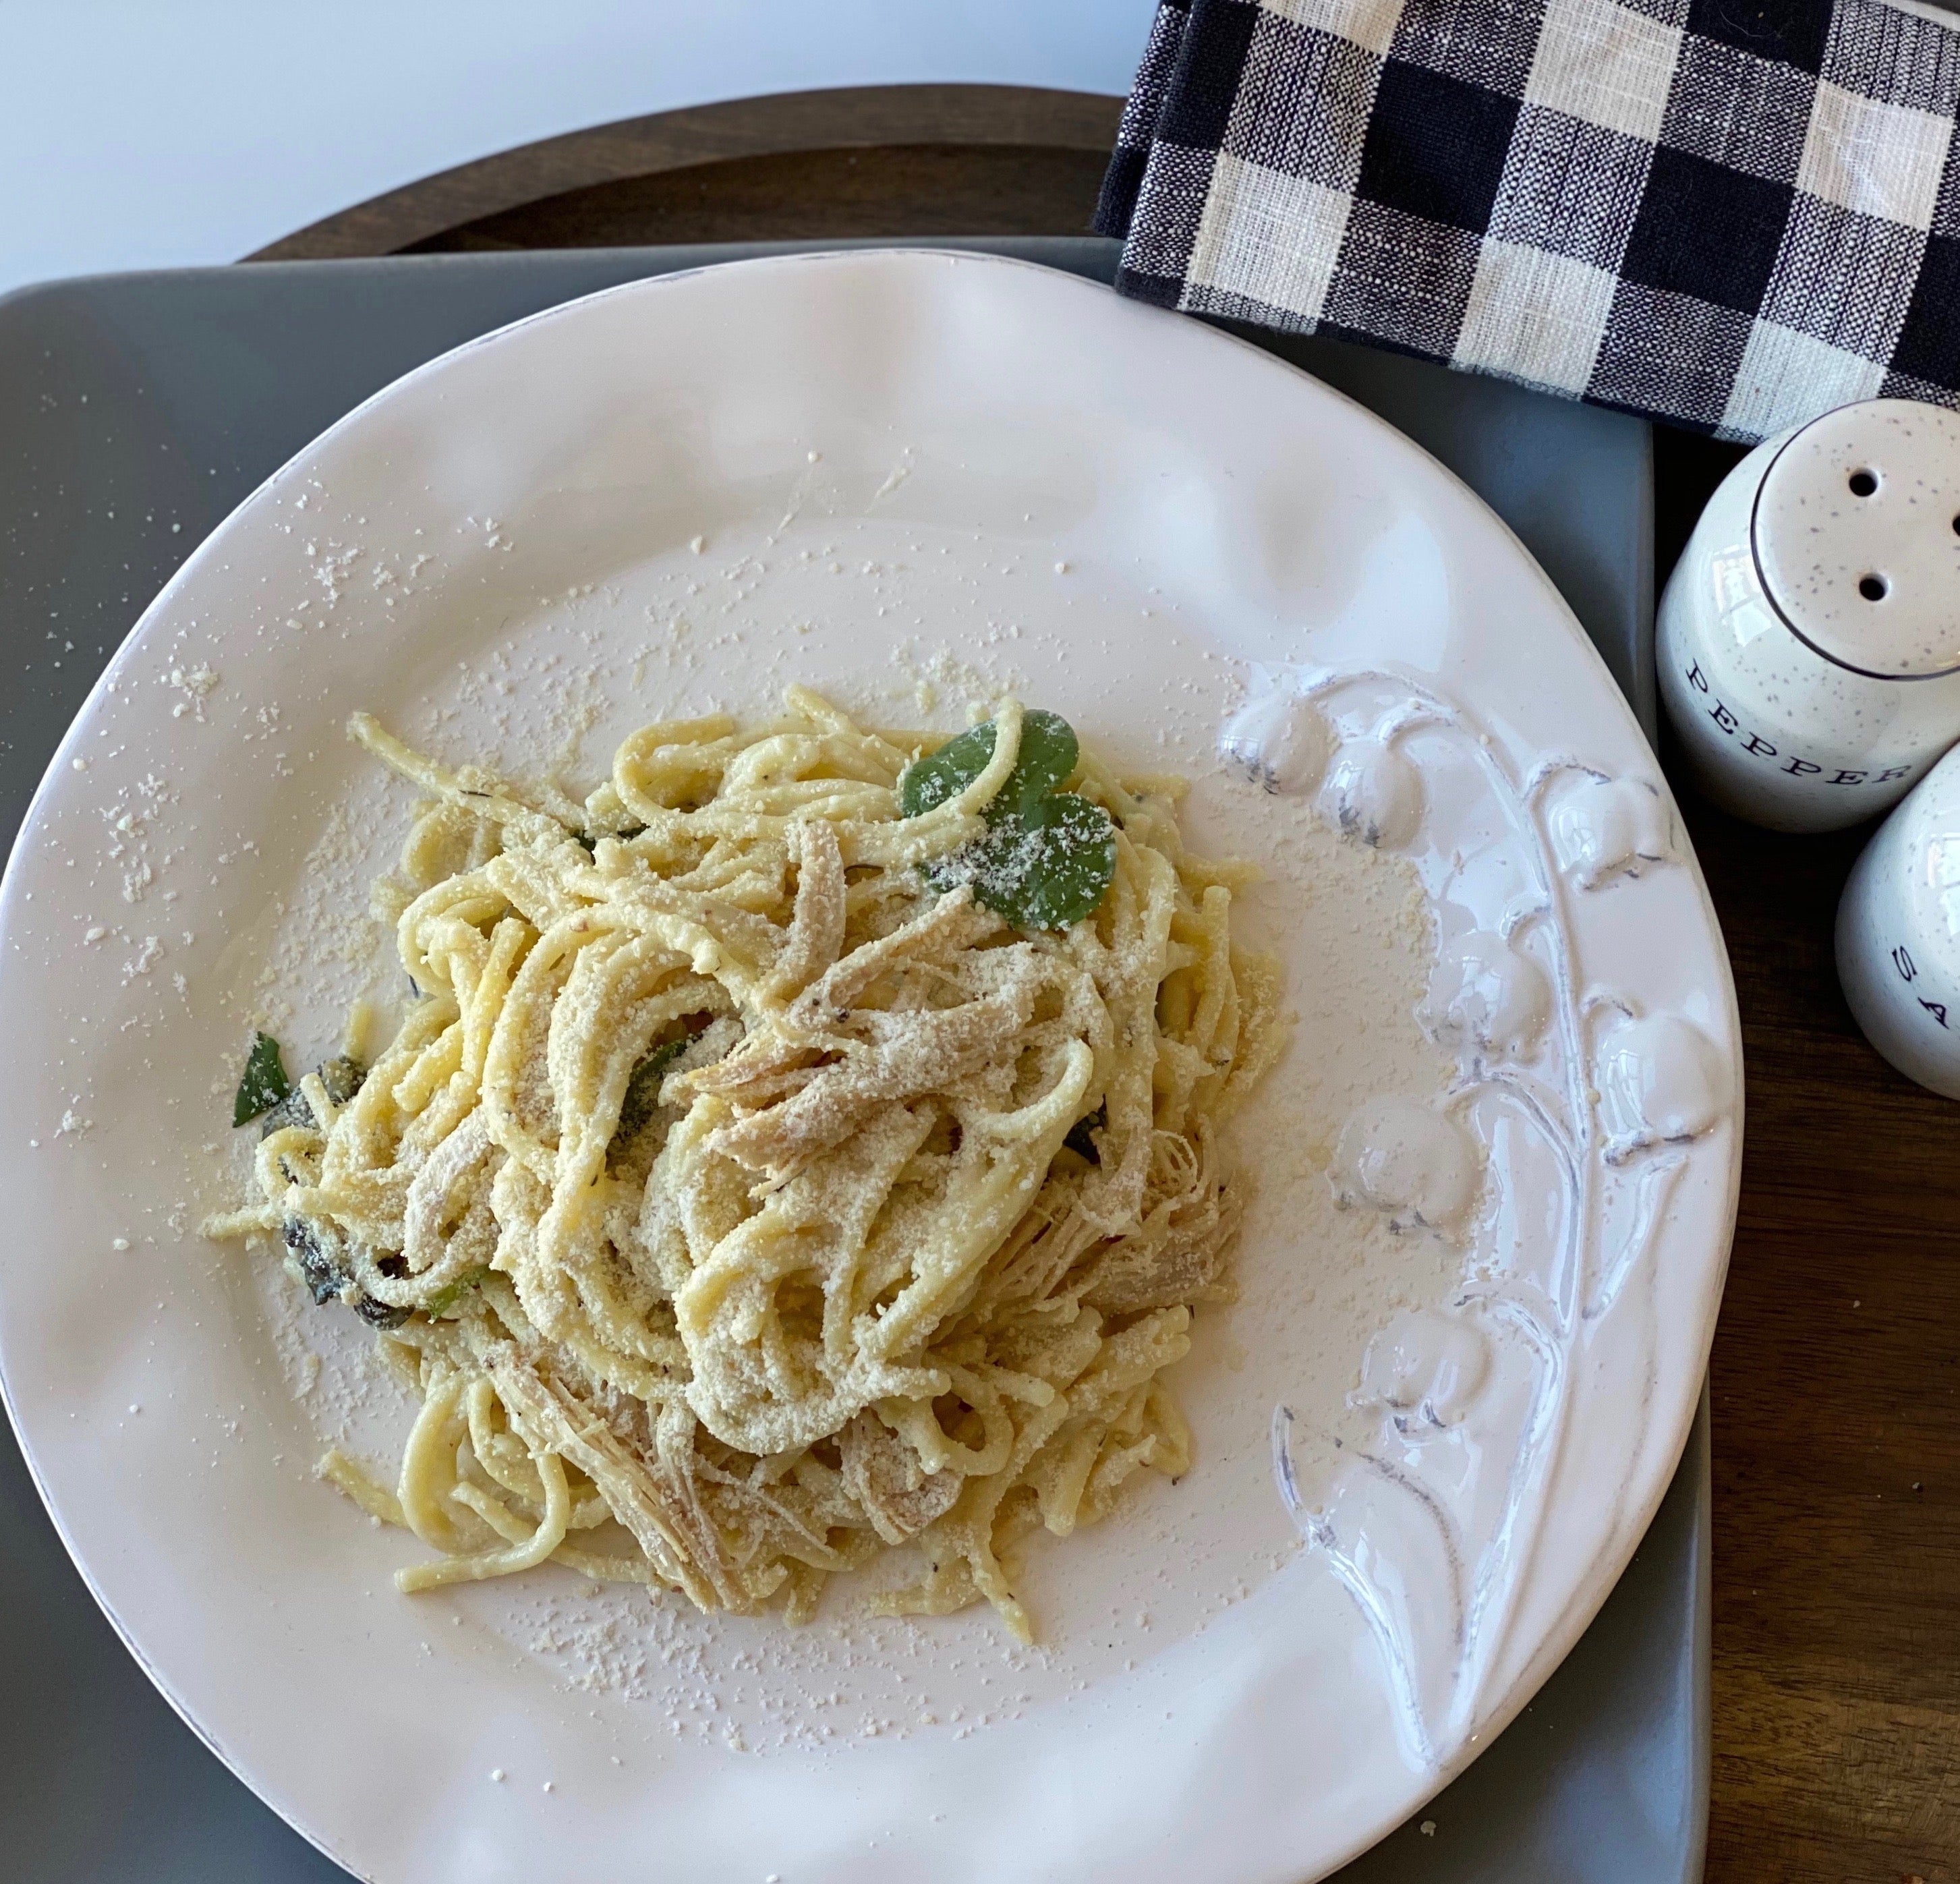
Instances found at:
x=136 y=412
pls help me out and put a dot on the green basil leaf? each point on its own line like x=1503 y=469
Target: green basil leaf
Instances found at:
x=446 y=1297
x=1048 y=856
x=930 y=782
x=1065 y=855
x=1046 y=871
x=265 y=1083
x=1047 y=755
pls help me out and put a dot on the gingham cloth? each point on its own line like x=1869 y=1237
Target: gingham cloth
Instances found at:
x=1732 y=214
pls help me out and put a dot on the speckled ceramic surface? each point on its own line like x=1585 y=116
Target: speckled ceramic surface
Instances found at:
x=1430 y=1435
x=1898 y=934
x=1807 y=645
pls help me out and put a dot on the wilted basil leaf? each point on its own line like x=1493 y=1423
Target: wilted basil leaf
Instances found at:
x=341 y=1076
x=446 y=1297
x=1080 y=1139
x=643 y=1087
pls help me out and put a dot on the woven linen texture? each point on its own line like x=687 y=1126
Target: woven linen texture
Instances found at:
x=1729 y=215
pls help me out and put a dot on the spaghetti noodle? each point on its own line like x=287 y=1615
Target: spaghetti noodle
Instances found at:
x=745 y=1197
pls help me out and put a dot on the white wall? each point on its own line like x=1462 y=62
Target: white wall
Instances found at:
x=149 y=133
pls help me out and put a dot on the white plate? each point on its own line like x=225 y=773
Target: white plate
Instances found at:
x=915 y=479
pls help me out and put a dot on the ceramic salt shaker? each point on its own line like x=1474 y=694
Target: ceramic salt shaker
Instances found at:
x=1808 y=642
x=1898 y=934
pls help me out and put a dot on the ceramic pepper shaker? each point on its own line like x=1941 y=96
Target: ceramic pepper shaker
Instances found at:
x=1808 y=642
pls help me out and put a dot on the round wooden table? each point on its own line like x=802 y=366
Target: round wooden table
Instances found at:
x=1837 y=1366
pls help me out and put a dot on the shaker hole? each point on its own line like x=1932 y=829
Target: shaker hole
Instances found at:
x=1873 y=588
x=1863 y=483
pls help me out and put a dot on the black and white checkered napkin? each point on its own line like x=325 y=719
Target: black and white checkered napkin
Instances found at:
x=1732 y=214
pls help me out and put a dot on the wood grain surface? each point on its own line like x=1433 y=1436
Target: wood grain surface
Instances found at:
x=1836 y=1415
x=879 y=160
x=1837 y=1365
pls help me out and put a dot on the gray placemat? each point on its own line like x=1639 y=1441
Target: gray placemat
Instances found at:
x=136 y=411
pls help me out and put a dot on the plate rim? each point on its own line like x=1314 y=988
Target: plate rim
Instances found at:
x=1591 y=1593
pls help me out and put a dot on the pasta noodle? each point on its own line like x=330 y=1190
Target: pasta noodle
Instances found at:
x=745 y=1203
